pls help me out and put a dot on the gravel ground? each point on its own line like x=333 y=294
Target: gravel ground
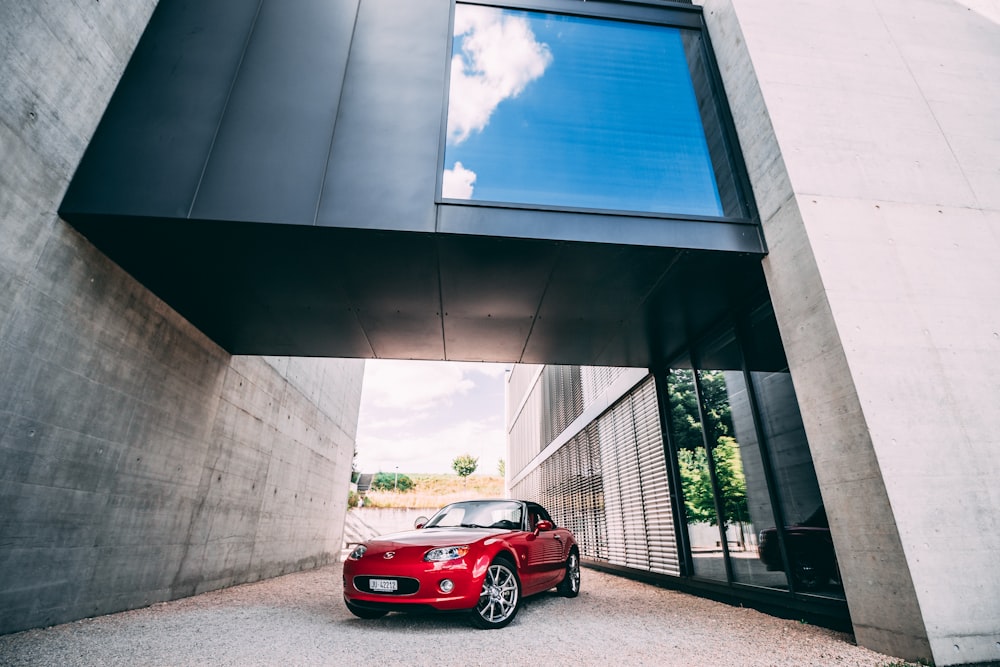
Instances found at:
x=300 y=619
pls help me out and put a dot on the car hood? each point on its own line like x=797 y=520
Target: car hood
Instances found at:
x=433 y=537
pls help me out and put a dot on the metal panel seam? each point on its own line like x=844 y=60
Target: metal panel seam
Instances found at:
x=225 y=107
x=333 y=133
x=541 y=298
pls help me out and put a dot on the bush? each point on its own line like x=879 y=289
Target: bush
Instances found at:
x=390 y=481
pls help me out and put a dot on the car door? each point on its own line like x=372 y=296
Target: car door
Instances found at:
x=545 y=560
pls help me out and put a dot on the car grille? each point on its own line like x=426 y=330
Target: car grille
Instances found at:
x=404 y=585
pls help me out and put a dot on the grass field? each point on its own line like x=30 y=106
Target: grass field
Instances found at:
x=434 y=491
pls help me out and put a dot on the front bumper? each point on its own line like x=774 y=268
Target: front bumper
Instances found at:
x=467 y=575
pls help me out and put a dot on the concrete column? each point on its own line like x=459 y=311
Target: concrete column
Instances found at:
x=870 y=132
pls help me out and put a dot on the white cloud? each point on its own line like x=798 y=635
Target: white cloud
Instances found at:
x=458 y=182
x=413 y=385
x=499 y=57
x=418 y=416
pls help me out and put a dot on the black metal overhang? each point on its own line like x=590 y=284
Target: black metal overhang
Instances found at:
x=319 y=291
x=272 y=172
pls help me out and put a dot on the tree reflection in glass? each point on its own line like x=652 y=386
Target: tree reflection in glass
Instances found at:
x=696 y=482
x=739 y=494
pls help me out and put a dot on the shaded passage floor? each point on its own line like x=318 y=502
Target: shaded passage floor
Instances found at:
x=300 y=619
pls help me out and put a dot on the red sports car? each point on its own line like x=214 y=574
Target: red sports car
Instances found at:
x=479 y=556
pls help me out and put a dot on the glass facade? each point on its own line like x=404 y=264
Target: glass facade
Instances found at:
x=708 y=479
x=726 y=503
x=744 y=465
x=756 y=513
x=811 y=558
x=552 y=110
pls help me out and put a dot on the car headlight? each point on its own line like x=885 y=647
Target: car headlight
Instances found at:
x=358 y=552
x=446 y=553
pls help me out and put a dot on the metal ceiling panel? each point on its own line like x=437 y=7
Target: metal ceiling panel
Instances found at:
x=486 y=338
x=149 y=149
x=383 y=163
x=396 y=335
x=494 y=277
x=281 y=118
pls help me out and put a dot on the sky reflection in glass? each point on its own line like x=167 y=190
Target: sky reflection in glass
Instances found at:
x=569 y=111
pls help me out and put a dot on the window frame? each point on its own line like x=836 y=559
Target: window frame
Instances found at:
x=666 y=14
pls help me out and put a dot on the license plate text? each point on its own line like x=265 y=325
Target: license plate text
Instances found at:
x=382 y=585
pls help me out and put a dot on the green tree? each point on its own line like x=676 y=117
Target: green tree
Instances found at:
x=716 y=397
x=698 y=500
x=390 y=481
x=465 y=465
x=502 y=467
x=732 y=482
x=692 y=461
x=685 y=423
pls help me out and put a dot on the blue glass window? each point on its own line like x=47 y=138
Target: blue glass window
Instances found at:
x=580 y=112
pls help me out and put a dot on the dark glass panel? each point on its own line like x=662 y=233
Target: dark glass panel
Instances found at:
x=743 y=484
x=807 y=536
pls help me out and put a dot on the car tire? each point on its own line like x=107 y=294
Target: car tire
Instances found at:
x=500 y=597
x=364 y=612
x=569 y=587
x=807 y=574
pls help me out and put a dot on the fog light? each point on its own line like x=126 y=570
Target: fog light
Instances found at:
x=447 y=585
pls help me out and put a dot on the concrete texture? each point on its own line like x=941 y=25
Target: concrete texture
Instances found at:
x=870 y=134
x=138 y=461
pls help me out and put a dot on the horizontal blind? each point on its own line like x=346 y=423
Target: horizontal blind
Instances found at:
x=657 y=509
x=608 y=483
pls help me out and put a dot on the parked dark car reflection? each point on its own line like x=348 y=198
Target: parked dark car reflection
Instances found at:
x=810 y=552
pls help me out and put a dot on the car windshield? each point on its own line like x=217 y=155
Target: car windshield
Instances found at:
x=504 y=514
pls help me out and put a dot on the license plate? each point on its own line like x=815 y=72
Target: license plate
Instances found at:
x=382 y=585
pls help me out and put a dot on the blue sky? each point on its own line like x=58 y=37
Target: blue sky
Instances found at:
x=420 y=415
x=571 y=111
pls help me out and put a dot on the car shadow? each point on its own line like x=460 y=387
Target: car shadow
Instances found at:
x=428 y=621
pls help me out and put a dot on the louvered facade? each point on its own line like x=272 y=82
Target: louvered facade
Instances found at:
x=586 y=443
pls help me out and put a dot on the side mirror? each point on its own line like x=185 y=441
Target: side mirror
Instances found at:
x=544 y=524
x=419 y=523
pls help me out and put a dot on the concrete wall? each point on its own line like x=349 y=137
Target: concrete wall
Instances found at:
x=870 y=131
x=138 y=461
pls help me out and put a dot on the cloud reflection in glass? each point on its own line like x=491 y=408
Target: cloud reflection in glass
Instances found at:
x=575 y=112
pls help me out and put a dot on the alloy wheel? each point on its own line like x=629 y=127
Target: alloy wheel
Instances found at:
x=499 y=598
